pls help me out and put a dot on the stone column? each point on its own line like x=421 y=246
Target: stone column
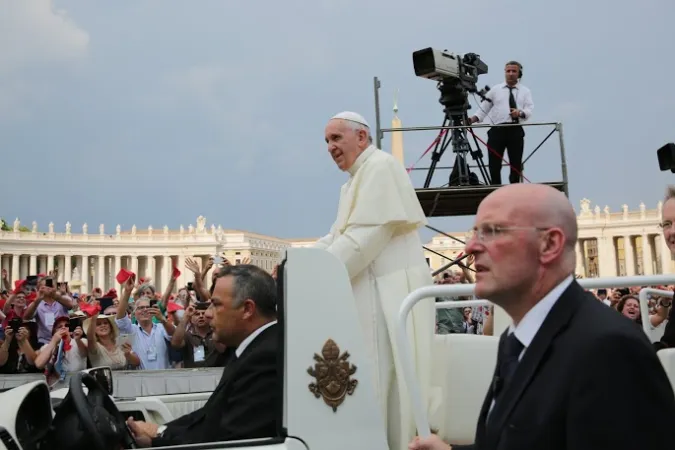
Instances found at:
x=67 y=268
x=100 y=272
x=150 y=270
x=666 y=256
x=59 y=263
x=134 y=266
x=33 y=265
x=183 y=278
x=166 y=271
x=611 y=255
x=84 y=273
x=16 y=275
x=50 y=263
x=629 y=255
x=581 y=267
x=42 y=264
x=647 y=257
x=23 y=264
x=118 y=265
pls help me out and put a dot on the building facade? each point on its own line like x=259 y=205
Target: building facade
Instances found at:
x=87 y=260
x=610 y=244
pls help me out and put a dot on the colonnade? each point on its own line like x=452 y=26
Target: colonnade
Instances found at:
x=85 y=272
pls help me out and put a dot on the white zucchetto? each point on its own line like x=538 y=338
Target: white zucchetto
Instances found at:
x=352 y=117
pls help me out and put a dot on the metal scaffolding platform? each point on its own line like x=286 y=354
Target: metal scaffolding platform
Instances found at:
x=463 y=200
x=460 y=200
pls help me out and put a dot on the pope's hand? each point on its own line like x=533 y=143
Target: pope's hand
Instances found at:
x=432 y=442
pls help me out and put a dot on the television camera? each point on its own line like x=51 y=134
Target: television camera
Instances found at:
x=456 y=76
x=666 y=155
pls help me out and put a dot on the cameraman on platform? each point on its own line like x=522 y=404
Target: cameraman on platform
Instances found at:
x=508 y=102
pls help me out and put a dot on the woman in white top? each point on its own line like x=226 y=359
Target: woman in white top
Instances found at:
x=66 y=352
x=102 y=344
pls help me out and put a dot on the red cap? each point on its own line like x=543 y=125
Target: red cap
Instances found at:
x=123 y=275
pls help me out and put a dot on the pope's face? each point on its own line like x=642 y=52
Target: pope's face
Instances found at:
x=344 y=143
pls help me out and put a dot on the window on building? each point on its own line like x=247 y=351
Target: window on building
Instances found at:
x=591 y=263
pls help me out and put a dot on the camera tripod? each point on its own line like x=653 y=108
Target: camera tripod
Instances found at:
x=460 y=175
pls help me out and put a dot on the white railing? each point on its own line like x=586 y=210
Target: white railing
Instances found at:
x=458 y=290
x=462 y=304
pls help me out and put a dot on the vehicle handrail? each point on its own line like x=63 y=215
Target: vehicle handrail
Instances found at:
x=458 y=290
x=462 y=304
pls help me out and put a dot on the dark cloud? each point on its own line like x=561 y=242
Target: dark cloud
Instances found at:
x=154 y=114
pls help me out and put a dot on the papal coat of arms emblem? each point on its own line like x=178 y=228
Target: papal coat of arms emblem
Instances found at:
x=333 y=375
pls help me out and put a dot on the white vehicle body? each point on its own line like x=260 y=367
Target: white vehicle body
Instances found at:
x=317 y=313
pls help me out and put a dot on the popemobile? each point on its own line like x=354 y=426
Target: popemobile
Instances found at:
x=328 y=401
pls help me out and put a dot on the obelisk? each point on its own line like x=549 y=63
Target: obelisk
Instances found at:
x=397 y=136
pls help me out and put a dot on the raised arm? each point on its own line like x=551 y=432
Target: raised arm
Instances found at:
x=124 y=299
x=178 y=338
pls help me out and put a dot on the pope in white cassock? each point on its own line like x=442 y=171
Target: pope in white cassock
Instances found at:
x=376 y=236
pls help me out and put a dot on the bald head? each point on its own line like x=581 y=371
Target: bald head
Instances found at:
x=524 y=245
x=539 y=205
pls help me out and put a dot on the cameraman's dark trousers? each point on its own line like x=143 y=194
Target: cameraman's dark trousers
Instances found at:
x=506 y=138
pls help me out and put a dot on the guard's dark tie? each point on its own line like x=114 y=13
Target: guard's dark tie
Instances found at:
x=509 y=351
x=512 y=103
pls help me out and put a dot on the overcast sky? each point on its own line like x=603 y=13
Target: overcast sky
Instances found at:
x=155 y=112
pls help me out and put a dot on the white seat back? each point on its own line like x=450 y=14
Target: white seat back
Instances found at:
x=667 y=357
x=329 y=380
x=463 y=368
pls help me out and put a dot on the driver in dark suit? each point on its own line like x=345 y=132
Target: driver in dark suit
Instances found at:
x=571 y=373
x=245 y=403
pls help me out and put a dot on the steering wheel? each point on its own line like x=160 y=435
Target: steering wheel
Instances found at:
x=98 y=414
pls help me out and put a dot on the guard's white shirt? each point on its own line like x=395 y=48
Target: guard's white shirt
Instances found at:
x=499 y=111
x=528 y=327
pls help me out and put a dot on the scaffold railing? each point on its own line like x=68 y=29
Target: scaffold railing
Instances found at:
x=461 y=200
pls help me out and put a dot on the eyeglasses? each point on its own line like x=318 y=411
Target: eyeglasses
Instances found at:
x=486 y=233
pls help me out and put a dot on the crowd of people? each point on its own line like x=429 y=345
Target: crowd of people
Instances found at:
x=479 y=319
x=46 y=328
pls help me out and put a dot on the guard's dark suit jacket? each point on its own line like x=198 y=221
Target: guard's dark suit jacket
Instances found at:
x=589 y=380
x=243 y=406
